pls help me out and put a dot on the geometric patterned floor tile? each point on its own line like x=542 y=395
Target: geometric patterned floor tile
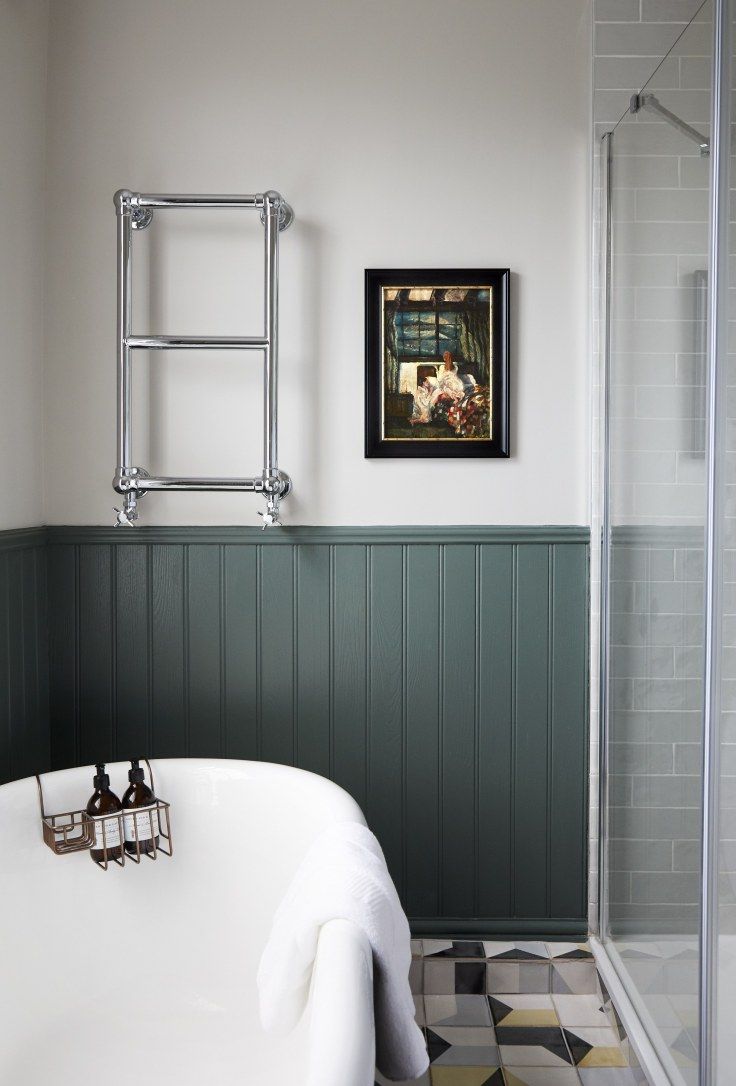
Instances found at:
x=602 y=990
x=569 y=951
x=454 y=978
x=436 y=1045
x=439 y=976
x=595 y=1048
x=464 y=986
x=470 y=978
x=523 y=1010
x=581 y=1010
x=496 y=951
x=575 y=978
x=465 y=1056
x=462 y=1047
x=684 y=1007
x=453 y=948
x=640 y=951
x=681 y=1047
x=456 y=1010
x=613 y=1018
x=518 y=977
x=416 y=976
x=628 y=1050
x=533 y=1046
x=542 y=1076
x=465 y=1035
x=466 y=1076
x=612 y=1076
x=663 y=1010
x=679 y=949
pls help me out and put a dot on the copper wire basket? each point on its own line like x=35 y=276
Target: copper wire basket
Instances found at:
x=77 y=831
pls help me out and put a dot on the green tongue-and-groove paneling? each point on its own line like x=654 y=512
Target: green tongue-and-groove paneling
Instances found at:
x=24 y=692
x=438 y=674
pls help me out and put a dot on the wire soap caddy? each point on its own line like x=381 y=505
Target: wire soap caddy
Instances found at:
x=76 y=831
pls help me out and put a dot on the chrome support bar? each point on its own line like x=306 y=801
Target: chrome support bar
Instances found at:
x=278 y=485
x=652 y=104
x=172 y=199
x=143 y=204
x=185 y=343
x=270 y=319
x=135 y=212
x=128 y=513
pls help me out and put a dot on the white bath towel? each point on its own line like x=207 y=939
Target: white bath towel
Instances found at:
x=344 y=877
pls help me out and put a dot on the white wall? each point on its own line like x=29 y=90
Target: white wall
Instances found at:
x=410 y=133
x=23 y=33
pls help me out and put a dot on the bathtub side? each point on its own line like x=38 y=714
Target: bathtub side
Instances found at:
x=342 y=1045
x=240 y=830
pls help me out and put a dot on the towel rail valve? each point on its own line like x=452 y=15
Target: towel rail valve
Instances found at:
x=275 y=487
x=125 y=484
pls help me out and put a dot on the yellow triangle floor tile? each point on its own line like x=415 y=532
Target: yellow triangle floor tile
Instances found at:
x=542 y=1017
x=464 y=1076
x=604 y=1057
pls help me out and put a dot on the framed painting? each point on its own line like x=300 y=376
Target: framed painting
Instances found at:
x=437 y=362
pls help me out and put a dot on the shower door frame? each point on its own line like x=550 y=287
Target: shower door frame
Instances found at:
x=716 y=378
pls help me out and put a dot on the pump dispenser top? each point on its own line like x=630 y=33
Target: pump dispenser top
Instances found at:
x=101 y=779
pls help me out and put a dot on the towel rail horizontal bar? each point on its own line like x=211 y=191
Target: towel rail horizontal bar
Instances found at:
x=162 y=200
x=183 y=343
x=141 y=205
x=177 y=482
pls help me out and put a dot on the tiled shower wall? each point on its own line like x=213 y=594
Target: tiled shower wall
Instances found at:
x=656 y=725
x=657 y=403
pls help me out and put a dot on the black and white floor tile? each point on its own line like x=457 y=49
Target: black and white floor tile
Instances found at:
x=518 y=1014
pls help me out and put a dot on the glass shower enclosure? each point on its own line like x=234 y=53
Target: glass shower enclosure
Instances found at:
x=666 y=940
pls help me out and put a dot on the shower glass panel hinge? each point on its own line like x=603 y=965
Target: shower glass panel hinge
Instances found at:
x=135 y=211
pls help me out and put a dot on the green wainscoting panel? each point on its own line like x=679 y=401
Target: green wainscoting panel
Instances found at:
x=24 y=658
x=438 y=674
x=421 y=771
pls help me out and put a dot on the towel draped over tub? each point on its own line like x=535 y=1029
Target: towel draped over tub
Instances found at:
x=344 y=876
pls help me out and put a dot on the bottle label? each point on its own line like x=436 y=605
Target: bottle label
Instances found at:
x=109 y=837
x=144 y=820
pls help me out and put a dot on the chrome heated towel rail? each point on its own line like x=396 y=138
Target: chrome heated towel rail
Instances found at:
x=135 y=212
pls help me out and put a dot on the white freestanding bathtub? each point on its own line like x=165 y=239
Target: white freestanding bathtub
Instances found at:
x=150 y=970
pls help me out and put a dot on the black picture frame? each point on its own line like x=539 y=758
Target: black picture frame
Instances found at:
x=379 y=279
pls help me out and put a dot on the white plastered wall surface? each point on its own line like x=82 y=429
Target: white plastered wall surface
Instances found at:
x=23 y=49
x=411 y=134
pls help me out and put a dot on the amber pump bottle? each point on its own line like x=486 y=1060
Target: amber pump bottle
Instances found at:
x=140 y=799
x=102 y=804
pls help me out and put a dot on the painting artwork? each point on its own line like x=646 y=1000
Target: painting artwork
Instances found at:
x=437 y=363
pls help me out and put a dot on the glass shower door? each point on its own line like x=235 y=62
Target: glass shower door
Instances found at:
x=654 y=560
